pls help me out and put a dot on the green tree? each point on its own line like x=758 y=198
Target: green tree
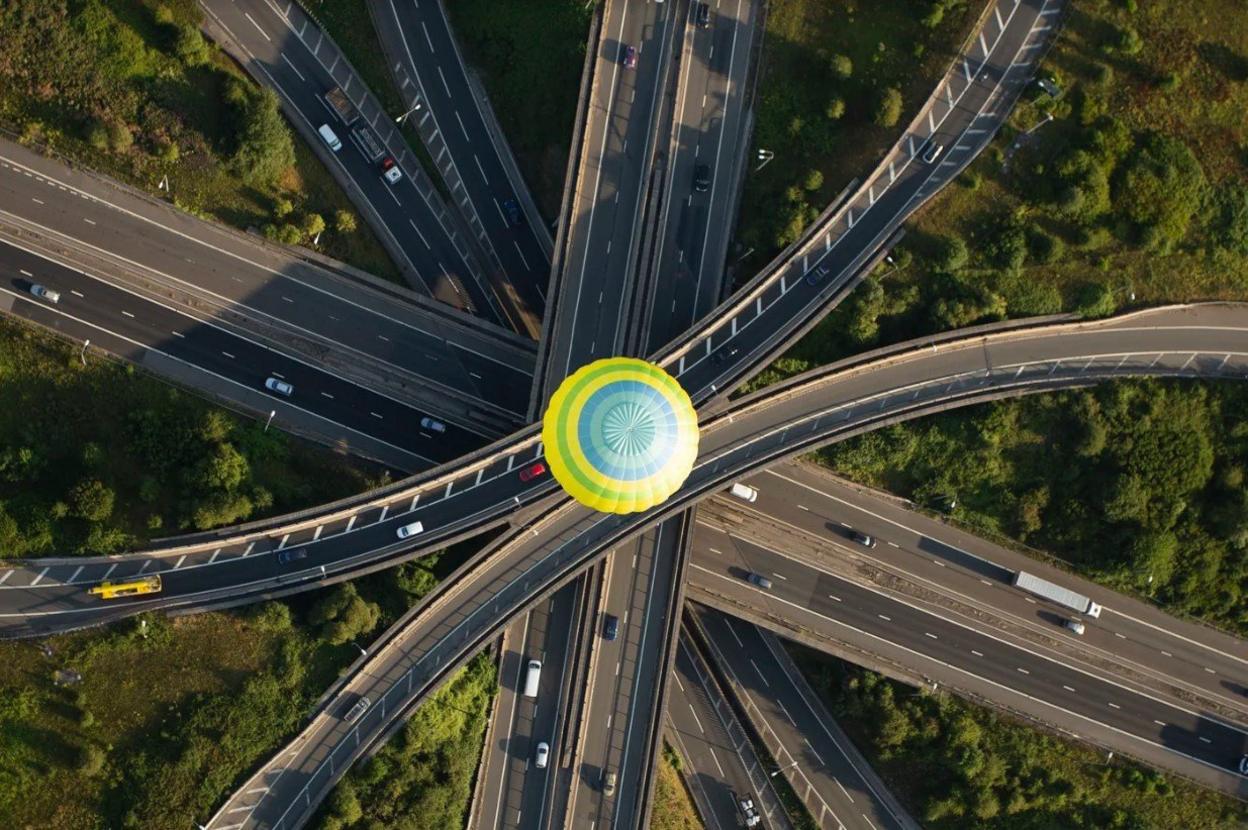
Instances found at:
x=888 y=107
x=92 y=500
x=344 y=221
x=91 y=760
x=934 y=15
x=842 y=67
x=11 y=542
x=344 y=615
x=224 y=469
x=949 y=254
x=265 y=149
x=813 y=180
x=190 y=46
x=282 y=208
x=343 y=807
x=120 y=138
x=1095 y=299
x=97 y=134
x=313 y=223
x=835 y=109
x=1163 y=187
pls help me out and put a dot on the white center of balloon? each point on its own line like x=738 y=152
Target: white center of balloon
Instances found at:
x=629 y=428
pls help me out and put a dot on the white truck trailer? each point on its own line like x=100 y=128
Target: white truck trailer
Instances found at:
x=1056 y=593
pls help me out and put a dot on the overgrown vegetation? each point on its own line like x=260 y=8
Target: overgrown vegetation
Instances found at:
x=956 y=766
x=423 y=776
x=131 y=88
x=1149 y=495
x=530 y=57
x=98 y=459
x=673 y=806
x=835 y=81
x=165 y=716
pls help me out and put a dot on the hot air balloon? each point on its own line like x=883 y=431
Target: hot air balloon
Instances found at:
x=620 y=435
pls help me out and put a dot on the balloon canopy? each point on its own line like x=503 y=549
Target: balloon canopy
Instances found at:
x=620 y=435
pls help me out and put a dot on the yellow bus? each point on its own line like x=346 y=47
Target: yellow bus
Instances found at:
x=134 y=587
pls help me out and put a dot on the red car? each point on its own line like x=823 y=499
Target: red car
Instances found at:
x=537 y=468
x=630 y=57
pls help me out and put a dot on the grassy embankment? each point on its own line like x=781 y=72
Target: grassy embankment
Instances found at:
x=530 y=58
x=956 y=766
x=673 y=806
x=167 y=718
x=131 y=89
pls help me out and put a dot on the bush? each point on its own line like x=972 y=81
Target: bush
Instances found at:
x=119 y=137
x=344 y=221
x=1095 y=299
x=190 y=46
x=1045 y=248
x=835 y=109
x=312 y=225
x=265 y=149
x=91 y=760
x=950 y=254
x=888 y=107
x=813 y=180
x=1163 y=187
x=97 y=134
x=91 y=500
x=344 y=615
x=842 y=67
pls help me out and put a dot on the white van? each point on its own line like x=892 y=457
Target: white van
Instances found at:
x=533 y=678
x=329 y=137
x=744 y=492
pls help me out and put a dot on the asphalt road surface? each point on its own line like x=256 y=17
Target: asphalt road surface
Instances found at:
x=420 y=35
x=1081 y=702
x=213 y=272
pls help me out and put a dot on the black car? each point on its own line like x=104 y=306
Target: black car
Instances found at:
x=720 y=355
x=285 y=557
x=702 y=178
x=703 y=16
x=864 y=539
x=515 y=217
x=610 y=626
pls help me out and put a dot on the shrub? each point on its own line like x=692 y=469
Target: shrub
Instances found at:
x=119 y=137
x=97 y=134
x=190 y=46
x=813 y=180
x=934 y=15
x=1163 y=188
x=1045 y=248
x=344 y=221
x=950 y=254
x=1095 y=299
x=842 y=67
x=313 y=224
x=888 y=107
x=282 y=208
x=836 y=108
x=265 y=149
x=91 y=760
x=90 y=499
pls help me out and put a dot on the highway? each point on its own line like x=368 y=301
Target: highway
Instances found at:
x=827 y=772
x=553 y=545
x=831 y=609
x=418 y=350
x=591 y=294
x=710 y=129
x=802 y=507
x=717 y=756
x=430 y=70
x=288 y=52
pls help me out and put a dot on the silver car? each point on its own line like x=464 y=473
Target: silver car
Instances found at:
x=279 y=386
x=45 y=293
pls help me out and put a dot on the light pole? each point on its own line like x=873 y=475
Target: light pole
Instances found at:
x=782 y=769
x=1048 y=116
x=266 y=423
x=361 y=648
x=1129 y=288
x=83 y=354
x=764 y=156
x=415 y=107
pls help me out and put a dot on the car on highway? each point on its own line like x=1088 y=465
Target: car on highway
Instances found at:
x=720 y=355
x=816 y=276
x=285 y=557
x=932 y=151
x=390 y=171
x=45 y=293
x=542 y=755
x=515 y=217
x=409 y=530
x=703 y=16
x=759 y=580
x=610 y=626
x=702 y=177
x=864 y=539
x=1243 y=765
x=279 y=386
x=608 y=782
x=1074 y=625
x=749 y=812
x=331 y=139
x=630 y=57
x=537 y=468
x=744 y=492
x=432 y=424
x=360 y=707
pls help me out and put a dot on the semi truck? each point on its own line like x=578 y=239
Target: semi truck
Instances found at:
x=341 y=105
x=1056 y=593
x=129 y=588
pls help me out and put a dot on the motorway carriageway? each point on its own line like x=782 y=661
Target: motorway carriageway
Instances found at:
x=834 y=608
x=799 y=507
x=223 y=272
x=136 y=326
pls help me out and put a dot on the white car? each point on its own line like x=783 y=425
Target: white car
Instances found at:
x=44 y=293
x=1243 y=765
x=409 y=530
x=279 y=386
x=543 y=755
x=390 y=171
